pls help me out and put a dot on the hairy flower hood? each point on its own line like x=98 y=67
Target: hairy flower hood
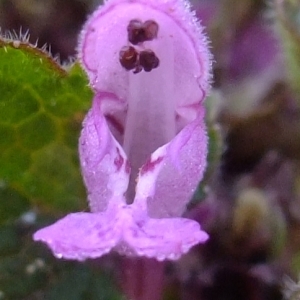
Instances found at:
x=143 y=145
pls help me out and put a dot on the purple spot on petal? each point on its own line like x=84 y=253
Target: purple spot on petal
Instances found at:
x=150 y=165
x=119 y=160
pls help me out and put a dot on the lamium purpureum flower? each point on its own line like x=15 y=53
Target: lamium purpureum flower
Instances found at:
x=143 y=145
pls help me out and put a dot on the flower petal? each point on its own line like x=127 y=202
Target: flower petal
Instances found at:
x=104 y=164
x=170 y=177
x=164 y=238
x=81 y=235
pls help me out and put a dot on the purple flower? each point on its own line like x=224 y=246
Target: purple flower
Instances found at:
x=143 y=145
x=254 y=50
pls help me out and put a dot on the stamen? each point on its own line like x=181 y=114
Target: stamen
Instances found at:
x=128 y=57
x=148 y=60
x=151 y=29
x=139 y=32
x=136 y=32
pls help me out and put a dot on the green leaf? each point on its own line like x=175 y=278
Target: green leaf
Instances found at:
x=215 y=142
x=9 y=240
x=12 y=204
x=71 y=285
x=78 y=281
x=102 y=288
x=42 y=106
x=20 y=277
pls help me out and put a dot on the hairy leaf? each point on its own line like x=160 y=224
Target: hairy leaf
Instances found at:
x=42 y=105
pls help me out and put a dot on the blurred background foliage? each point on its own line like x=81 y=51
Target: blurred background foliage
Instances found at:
x=249 y=201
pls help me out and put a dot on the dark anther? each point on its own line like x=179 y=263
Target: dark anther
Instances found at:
x=128 y=57
x=139 y=32
x=151 y=29
x=136 y=32
x=148 y=60
x=131 y=59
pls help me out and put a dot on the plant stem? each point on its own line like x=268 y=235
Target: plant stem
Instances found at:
x=142 y=278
